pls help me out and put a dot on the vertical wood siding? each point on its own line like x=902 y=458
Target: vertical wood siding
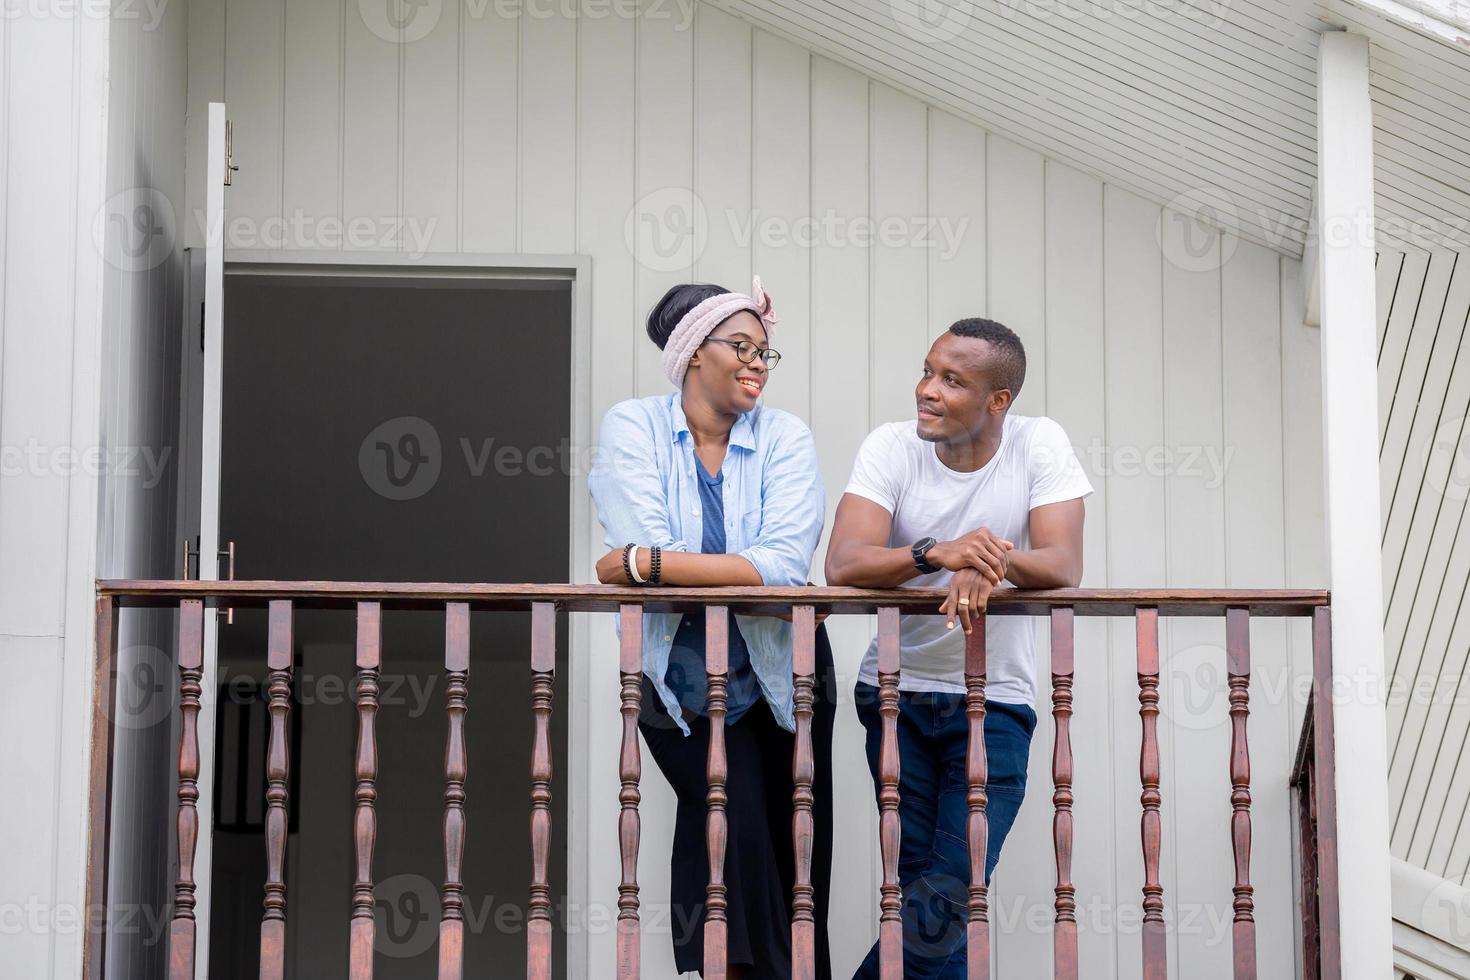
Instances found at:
x=1424 y=398
x=1173 y=355
x=53 y=125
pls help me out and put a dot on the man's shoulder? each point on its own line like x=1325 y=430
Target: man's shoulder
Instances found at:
x=1047 y=452
x=903 y=433
x=1028 y=428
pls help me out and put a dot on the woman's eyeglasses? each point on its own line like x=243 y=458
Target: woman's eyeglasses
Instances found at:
x=747 y=352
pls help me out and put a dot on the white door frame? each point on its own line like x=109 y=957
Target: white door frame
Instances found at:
x=577 y=271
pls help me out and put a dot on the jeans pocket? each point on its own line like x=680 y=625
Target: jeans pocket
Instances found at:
x=1008 y=746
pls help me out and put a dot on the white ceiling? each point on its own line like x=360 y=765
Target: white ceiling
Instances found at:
x=1204 y=103
x=1421 y=117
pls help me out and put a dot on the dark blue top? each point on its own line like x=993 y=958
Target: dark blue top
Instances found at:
x=686 y=672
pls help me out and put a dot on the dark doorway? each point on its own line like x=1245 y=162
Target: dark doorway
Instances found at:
x=390 y=429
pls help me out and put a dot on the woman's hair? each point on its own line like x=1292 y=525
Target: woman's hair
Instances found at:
x=667 y=312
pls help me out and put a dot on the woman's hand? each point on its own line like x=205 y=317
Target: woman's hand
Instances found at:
x=971 y=586
x=610 y=569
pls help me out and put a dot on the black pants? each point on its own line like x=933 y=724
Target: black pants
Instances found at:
x=760 y=866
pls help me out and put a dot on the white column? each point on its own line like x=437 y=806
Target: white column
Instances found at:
x=1350 y=434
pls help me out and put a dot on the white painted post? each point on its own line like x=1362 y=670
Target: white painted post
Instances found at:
x=1350 y=433
x=209 y=489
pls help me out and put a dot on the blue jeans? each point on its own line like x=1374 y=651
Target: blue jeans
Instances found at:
x=933 y=856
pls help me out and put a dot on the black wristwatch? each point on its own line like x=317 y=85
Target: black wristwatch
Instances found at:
x=921 y=551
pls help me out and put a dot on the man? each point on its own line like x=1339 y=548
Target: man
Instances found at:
x=969 y=497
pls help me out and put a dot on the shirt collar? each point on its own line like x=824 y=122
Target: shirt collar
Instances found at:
x=742 y=435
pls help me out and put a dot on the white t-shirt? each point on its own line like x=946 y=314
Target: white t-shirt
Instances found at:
x=902 y=473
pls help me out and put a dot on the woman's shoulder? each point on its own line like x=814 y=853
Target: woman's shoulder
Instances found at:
x=773 y=425
x=639 y=410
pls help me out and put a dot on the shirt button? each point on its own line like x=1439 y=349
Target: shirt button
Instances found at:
x=667 y=637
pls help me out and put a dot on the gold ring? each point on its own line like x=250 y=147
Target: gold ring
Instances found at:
x=964 y=600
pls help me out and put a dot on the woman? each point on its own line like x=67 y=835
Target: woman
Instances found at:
x=705 y=486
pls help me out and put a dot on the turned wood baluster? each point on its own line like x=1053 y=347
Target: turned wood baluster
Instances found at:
x=717 y=671
x=1155 y=964
x=191 y=668
x=1238 y=671
x=803 y=771
x=890 y=918
x=365 y=819
x=630 y=766
x=1064 y=935
x=456 y=771
x=543 y=673
x=977 y=772
x=278 y=685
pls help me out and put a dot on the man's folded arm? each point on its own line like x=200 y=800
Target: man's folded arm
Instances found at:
x=858 y=553
x=1054 y=560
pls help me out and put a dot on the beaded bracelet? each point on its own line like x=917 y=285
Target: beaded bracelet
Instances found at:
x=627 y=564
x=655 y=563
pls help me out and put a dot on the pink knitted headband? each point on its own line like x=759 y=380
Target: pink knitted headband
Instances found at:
x=696 y=325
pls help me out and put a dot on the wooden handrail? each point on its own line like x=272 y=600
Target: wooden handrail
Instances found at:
x=766 y=599
x=1313 y=774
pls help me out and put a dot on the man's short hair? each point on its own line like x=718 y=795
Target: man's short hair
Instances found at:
x=1009 y=360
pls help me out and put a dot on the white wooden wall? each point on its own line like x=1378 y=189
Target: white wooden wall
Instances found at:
x=53 y=125
x=1424 y=397
x=1176 y=348
x=137 y=536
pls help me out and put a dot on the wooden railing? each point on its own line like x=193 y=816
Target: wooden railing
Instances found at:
x=1313 y=777
x=1316 y=798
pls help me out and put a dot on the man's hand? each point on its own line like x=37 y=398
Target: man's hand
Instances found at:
x=969 y=591
x=610 y=569
x=980 y=550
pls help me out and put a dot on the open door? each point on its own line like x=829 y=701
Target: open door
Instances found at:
x=199 y=488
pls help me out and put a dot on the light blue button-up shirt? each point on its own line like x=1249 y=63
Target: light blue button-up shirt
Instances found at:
x=646 y=489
